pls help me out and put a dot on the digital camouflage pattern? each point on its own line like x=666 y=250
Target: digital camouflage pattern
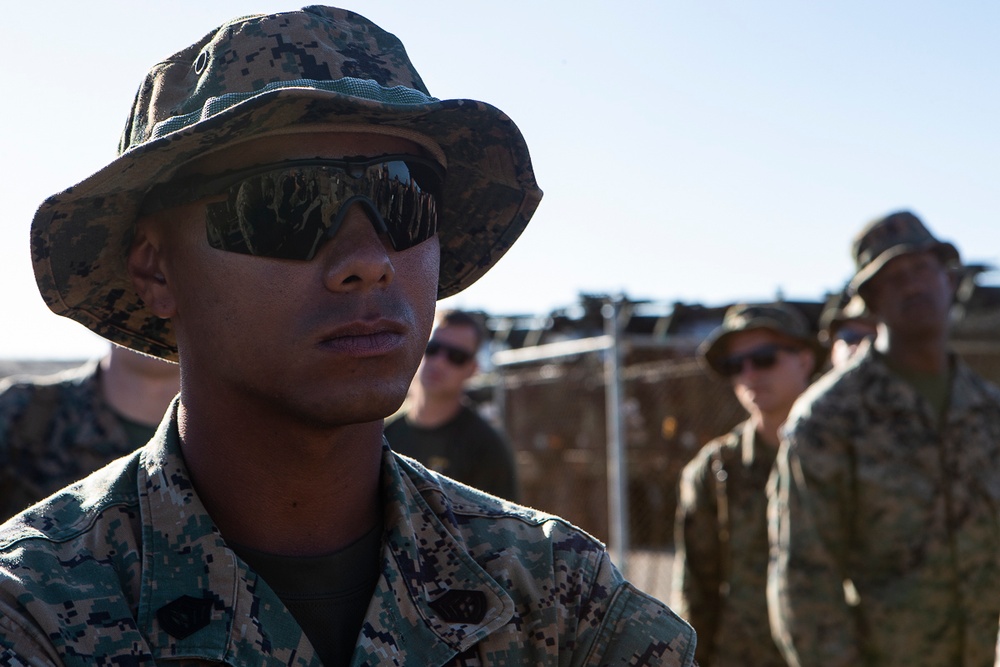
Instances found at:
x=54 y=430
x=127 y=568
x=318 y=69
x=720 y=562
x=886 y=527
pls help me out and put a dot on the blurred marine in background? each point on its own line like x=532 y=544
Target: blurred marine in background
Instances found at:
x=438 y=427
x=843 y=325
x=768 y=353
x=886 y=524
x=58 y=428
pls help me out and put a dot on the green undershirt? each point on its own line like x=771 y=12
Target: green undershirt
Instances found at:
x=137 y=434
x=934 y=387
x=327 y=595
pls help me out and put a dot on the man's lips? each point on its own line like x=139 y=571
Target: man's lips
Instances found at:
x=365 y=339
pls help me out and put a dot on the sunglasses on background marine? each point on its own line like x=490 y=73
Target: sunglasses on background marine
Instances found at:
x=456 y=356
x=286 y=211
x=760 y=358
x=852 y=337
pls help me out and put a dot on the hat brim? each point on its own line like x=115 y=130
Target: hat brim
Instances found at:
x=946 y=251
x=80 y=237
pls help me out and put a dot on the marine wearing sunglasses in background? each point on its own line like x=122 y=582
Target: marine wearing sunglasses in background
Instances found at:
x=844 y=324
x=308 y=202
x=438 y=427
x=886 y=521
x=768 y=353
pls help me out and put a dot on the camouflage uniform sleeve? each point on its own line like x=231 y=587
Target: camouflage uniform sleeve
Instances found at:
x=809 y=518
x=634 y=628
x=21 y=646
x=697 y=572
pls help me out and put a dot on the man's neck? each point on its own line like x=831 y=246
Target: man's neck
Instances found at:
x=432 y=411
x=766 y=426
x=274 y=486
x=920 y=355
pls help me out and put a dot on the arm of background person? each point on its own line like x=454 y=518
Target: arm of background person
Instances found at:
x=810 y=515
x=697 y=559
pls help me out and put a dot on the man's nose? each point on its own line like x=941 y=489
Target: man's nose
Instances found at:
x=357 y=257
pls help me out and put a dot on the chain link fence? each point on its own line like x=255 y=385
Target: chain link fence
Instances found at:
x=554 y=412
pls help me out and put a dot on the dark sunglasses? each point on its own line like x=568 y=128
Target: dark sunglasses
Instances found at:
x=852 y=337
x=760 y=358
x=288 y=210
x=455 y=355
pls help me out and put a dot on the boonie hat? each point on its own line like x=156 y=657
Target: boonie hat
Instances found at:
x=778 y=317
x=315 y=70
x=888 y=237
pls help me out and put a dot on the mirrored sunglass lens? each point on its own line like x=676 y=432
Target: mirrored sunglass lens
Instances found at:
x=277 y=214
x=288 y=213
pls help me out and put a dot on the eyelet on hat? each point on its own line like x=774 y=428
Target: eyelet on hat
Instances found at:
x=201 y=63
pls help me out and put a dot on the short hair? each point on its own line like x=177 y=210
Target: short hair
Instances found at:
x=460 y=318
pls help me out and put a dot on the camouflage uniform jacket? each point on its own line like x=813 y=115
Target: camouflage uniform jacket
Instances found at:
x=54 y=430
x=886 y=524
x=126 y=568
x=720 y=564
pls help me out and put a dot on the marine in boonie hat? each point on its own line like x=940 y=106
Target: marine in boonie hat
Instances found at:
x=779 y=317
x=890 y=236
x=317 y=69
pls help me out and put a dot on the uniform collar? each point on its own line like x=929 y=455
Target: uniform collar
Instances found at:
x=199 y=600
x=967 y=391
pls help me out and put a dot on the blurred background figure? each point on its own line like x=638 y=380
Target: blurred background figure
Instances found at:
x=58 y=428
x=885 y=520
x=843 y=325
x=768 y=353
x=438 y=426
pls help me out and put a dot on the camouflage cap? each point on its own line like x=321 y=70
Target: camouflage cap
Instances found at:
x=888 y=237
x=778 y=317
x=318 y=69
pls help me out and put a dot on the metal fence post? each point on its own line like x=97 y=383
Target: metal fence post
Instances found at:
x=617 y=467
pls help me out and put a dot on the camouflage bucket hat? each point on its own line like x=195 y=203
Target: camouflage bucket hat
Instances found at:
x=318 y=69
x=886 y=238
x=779 y=317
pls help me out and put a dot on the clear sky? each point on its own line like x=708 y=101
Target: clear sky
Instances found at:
x=702 y=152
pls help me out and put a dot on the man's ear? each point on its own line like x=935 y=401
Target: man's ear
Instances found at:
x=145 y=268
